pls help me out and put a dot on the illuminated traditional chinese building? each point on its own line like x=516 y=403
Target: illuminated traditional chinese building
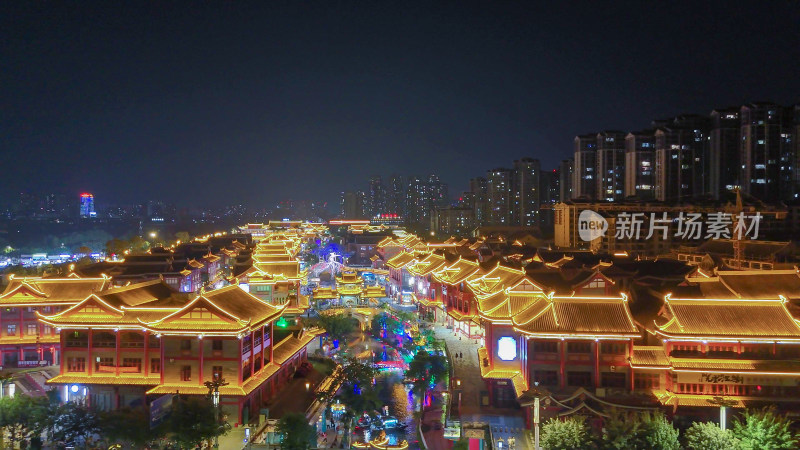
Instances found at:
x=560 y=342
x=719 y=343
x=426 y=292
x=457 y=297
x=24 y=341
x=126 y=347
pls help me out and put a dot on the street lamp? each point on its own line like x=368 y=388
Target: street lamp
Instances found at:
x=723 y=404
x=213 y=390
x=538 y=393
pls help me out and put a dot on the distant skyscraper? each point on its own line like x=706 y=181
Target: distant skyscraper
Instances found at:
x=418 y=202
x=525 y=192
x=480 y=202
x=767 y=157
x=584 y=179
x=681 y=158
x=87 y=206
x=566 y=177
x=352 y=205
x=376 y=197
x=499 y=194
x=550 y=189
x=610 y=172
x=396 y=197
x=439 y=195
x=639 y=165
x=725 y=150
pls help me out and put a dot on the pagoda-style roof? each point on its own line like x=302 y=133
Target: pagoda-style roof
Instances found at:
x=349 y=276
x=649 y=357
x=747 y=319
x=457 y=272
x=752 y=284
x=496 y=280
x=325 y=293
x=225 y=311
x=426 y=265
x=289 y=269
x=400 y=260
x=589 y=317
x=513 y=375
x=374 y=292
x=31 y=291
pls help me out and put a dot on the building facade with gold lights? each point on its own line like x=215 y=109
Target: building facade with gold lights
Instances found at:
x=24 y=341
x=126 y=348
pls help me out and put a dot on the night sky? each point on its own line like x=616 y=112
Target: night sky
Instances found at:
x=255 y=102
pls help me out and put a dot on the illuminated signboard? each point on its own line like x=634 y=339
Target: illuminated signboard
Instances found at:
x=507 y=348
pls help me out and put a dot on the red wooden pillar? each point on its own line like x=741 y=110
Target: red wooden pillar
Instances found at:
x=271 y=341
x=200 y=369
x=252 y=352
x=263 y=344
x=146 y=354
x=240 y=371
x=116 y=357
x=597 y=364
x=62 y=363
x=90 y=362
x=163 y=363
x=630 y=356
x=562 y=364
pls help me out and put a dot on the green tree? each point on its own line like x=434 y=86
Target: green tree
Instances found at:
x=764 y=428
x=425 y=370
x=117 y=247
x=296 y=433
x=24 y=417
x=128 y=425
x=461 y=444
x=622 y=430
x=73 y=422
x=568 y=434
x=659 y=432
x=183 y=236
x=709 y=436
x=137 y=244
x=194 y=420
x=338 y=325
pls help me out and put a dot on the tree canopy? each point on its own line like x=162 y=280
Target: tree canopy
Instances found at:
x=568 y=434
x=764 y=428
x=296 y=433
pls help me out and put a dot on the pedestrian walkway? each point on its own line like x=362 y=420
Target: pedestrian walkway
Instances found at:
x=464 y=359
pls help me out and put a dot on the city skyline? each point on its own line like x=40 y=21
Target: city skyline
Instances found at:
x=144 y=97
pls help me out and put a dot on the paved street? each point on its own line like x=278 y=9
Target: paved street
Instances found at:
x=466 y=368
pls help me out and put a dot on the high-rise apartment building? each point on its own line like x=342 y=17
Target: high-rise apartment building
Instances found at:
x=526 y=180
x=610 y=169
x=499 y=194
x=439 y=194
x=479 y=187
x=724 y=152
x=767 y=157
x=418 y=203
x=682 y=158
x=352 y=205
x=376 y=197
x=639 y=165
x=396 y=196
x=584 y=183
x=565 y=173
x=87 y=206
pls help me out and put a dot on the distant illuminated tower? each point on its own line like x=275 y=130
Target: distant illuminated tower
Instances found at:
x=87 y=206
